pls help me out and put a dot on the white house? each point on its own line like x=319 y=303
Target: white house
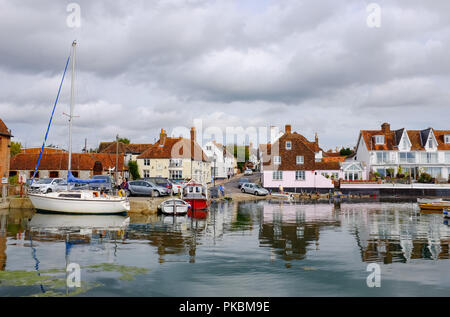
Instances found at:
x=223 y=163
x=412 y=152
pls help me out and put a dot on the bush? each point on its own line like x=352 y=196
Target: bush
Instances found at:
x=13 y=180
x=133 y=168
x=425 y=178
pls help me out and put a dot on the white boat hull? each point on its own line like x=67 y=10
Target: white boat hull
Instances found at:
x=52 y=203
x=174 y=206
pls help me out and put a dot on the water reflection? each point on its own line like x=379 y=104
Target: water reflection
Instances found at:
x=382 y=232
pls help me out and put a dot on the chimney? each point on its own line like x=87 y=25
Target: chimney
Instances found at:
x=162 y=137
x=316 y=138
x=287 y=128
x=386 y=127
x=193 y=134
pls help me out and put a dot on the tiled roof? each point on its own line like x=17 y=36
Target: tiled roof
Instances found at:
x=123 y=148
x=392 y=139
x=60 y=161
x=174 y=148
x=37 y=150
x=300 y=147
x=4 y=129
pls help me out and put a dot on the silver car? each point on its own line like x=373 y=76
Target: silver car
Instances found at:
x=144 y=188
x=254 y=189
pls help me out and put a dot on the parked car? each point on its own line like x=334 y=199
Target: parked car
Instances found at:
x=73 y=186
x=176 y=187
x=106 y=186
x=159 y=181
x=145 y=188
x=46 y=185
x=243 y=181
x=248 y=172
x=254 y=189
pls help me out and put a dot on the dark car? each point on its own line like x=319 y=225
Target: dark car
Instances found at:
x=159 y=181
x=243 y=181
x=106 y=186
x=145 y=188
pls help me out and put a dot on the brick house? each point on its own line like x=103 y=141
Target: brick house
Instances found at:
x=5 y=145
x=175 y=158
x=84 y=165
x=298 y=164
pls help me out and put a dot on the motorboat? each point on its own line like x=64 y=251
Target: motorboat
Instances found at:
x=434 y=205
x=196 y=195
x=446 y=212
x=287 y=196
x=174 y=206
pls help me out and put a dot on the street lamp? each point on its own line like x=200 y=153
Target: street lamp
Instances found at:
x=214 y=170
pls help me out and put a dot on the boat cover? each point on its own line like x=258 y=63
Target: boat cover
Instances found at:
x=73 y=179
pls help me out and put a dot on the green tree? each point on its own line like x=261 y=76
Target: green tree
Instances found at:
x=124 y=140
x=133 y=168
x=15 y=148
x=345 y=152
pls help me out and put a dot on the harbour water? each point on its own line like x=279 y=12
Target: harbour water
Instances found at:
x=263 y=248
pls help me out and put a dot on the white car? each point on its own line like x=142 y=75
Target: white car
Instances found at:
x=46 y=185
x=248 y=172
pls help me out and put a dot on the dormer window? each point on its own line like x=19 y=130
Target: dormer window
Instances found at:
x=300 y=159
x=430 y=143
x=288 y=145
x=277 y=159
x=379 y=139
x=447 y=139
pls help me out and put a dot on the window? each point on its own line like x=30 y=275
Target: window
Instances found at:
x=407 y=157
x=277 y=175
x=54 y=174
x=208 y=148
x=146 y=162
x=433 y=171
x=447 y=139
x=447 y=158
x=382 y=157
x=300 y=159
x=318 y=159
x=277 y=159
x=299 y=175
x=175 y=163
x=146 y=173
x=379 y=139
x=177 y=174
x=32 y=172
x=429 y=158
x=288 y=145
x=75 y=174
x=430 y=143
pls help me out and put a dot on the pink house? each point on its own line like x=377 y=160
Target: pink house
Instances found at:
x=297 y=164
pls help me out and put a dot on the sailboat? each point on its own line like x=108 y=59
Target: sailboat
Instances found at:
x=76 y=201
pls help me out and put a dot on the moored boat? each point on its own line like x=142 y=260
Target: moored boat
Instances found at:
x=438 y=205
x=446 y=212
x=174 y=206
x=79 y=202
x=71 y=201
x=196 y=195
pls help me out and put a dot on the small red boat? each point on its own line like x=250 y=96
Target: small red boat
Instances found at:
x=196 y=195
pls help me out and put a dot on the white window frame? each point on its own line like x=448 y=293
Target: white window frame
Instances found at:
x=379 y=139
x=146 y=162
x=300 y=159
x=277 y=175
x=290 y=145
x=277 y=160
x=447 y=139
x=300 y=175
x=146 y=173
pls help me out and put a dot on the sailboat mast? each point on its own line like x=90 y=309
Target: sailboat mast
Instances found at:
x=72 y=91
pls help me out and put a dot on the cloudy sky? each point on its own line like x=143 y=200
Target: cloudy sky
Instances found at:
x=147 y=65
